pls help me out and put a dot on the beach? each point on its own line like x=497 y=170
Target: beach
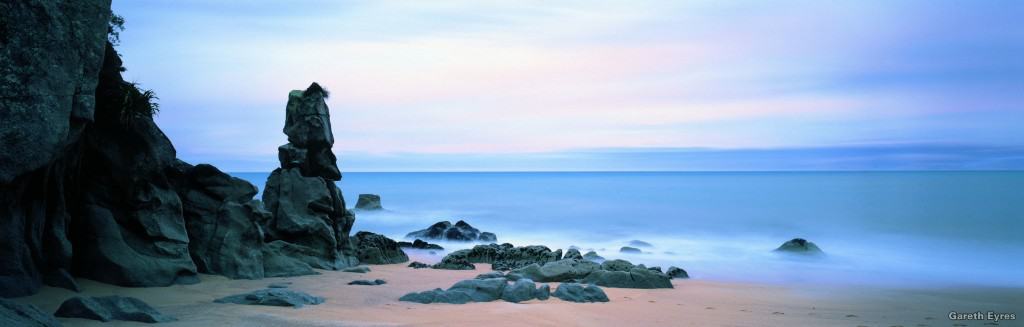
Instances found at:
x=692 y=302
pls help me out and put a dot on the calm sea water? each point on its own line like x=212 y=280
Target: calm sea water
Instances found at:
x=878 y=228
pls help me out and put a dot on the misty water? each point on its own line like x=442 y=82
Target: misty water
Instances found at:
x=905 y=229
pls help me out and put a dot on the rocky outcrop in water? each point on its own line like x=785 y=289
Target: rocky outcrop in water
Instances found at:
x=629 y=249
x=461 y=231
x=800 y=246
x=107 y=308
x=369 y=202
x=504 y=256
x=377 y=249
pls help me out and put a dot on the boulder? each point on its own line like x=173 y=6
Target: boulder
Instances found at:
x=574 y=292
x=436 y=295
x=27 y=315
x=543 y=292
x=655 y=269
x=634 y=278
x=593 y=257
x=107 y=308
x=460 y=231
x=420 y=244
x=676 y=272
x=572 y=254
x=273 y=297
x=61 y=278
x=558 y=271
x=800 y=246
x=280 y=260
x=640 y=244
x=489 y=275
x=628 y=249
x=420 y=265
x=519 y=291
x=505 y=256
x=616 y=265
x=470 y=290
x=368 y=282
x=454 y=264
x=377 y=249
x=280 y=285
x=369 y=202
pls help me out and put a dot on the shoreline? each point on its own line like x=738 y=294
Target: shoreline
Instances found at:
x=690 y=303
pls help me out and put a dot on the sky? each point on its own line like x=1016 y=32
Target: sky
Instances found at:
x=591 y=85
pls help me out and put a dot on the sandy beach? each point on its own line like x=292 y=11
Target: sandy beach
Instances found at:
x=690 y=303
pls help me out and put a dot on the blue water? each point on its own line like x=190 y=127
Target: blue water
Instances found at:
x=878 y=228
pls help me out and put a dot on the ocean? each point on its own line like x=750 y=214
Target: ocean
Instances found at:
x=890 y=229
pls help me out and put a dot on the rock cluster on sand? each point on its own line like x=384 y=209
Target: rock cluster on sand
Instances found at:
x=502 y=256
x=482 y=290
x=799 y=246
x=368 y=282
x=420 y=244
x=273 y=297
x=611 y=273
x=574 y=292
x=27 y=315
x=377 y=249
x=369 y=202
x=461 y=232
x=107 y=308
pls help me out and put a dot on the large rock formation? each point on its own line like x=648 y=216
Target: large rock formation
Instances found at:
x=91 y=187
x=308 y=209
x=107 y=308
x=377 y=249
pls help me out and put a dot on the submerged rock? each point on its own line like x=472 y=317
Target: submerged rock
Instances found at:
x=107 y=308
x=800 y=246
x=460 y=231
x=273 y=297
x=420 y=244
x=676 y=272
x=640 y=244
x=369 y=202
x=377 y=249
x=27 y=315
x=368 y=282
x=574 y=292
x=628 y=249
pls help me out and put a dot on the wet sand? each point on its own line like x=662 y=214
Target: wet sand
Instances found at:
x=690 y=303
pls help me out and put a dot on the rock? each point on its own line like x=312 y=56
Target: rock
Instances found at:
x=309 y=212
x=616 y=265
x=640 y=244
x=273 y=297
x=627 y=249
x=634 y=278
x=573 y=254
x=675 y=272
x=543 y=292
x=282 y=259
x=436 y=295
x=574 y=292
x=558 y=271
x=358 y=270
x=368 y=282
x=655 y=269
x=461 y=231
x=420 y=244
x=800 y=246
x=489 y=275
x=26 y=315
x=279 y=285
x=513 y=276
x=377 y=249
x=61 y=278
x=505 y=256
x=470 y=290
x=593 y=257
x=369 y=202
x=454 y=264
x=107 y=308
x=520 y=290
x=420 y=265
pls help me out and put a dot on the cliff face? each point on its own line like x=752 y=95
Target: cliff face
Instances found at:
x=91 y=187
